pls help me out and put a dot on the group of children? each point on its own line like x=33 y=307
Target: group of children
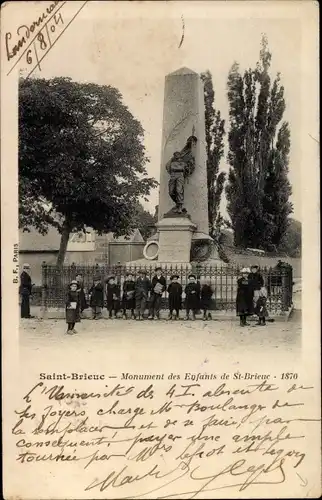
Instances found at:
x=142 y=293
x=138 y=295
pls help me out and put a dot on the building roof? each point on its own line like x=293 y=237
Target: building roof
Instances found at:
x=37 y=242
x=34 y=241
x=135 y=236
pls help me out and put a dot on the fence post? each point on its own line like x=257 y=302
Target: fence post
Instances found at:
x=44 y=287
x=73 y=270
x=118 y=272
x=290 y=286
x=284 y=290
x=287 y=287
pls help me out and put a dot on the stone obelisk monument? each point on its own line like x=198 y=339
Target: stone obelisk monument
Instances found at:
x=184 y=116
x=184 y=121
x=182 y=229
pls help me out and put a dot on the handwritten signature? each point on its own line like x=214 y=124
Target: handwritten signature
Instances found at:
x=117 y=479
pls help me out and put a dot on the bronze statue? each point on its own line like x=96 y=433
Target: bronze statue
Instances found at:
x=181 y=166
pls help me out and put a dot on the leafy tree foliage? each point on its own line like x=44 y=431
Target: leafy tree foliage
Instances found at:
x=291 y=242
x=81 y=159
x=33 y=209
x=145 y=222
x=215 y=131
x=258 y=188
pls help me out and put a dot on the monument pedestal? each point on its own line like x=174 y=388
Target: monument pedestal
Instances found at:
x=175 y=236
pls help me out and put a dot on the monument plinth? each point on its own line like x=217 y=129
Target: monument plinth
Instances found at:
x=182 y=228
x=175 y=236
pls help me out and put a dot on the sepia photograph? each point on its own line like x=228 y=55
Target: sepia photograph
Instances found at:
x=174 y=197
x=160 y=218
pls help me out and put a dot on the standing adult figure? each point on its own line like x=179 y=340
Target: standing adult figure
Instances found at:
x=256 y=281
x=244 y=299
x=25 y=290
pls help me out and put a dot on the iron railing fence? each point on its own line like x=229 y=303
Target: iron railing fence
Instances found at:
x=279 y=282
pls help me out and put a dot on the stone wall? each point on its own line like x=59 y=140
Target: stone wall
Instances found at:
x=122 y=252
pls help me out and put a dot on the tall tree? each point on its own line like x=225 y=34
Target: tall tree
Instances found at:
x=258 y=189
x=278 y=189
x=215 y=131
x=81 y=159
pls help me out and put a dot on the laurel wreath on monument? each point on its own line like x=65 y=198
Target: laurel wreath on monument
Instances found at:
x=201 y=250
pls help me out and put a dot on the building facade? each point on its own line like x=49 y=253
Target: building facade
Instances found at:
x=83 y=248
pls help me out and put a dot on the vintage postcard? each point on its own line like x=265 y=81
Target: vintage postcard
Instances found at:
x=160 y=257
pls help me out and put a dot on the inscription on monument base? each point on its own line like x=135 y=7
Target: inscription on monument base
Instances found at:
x=175 y=240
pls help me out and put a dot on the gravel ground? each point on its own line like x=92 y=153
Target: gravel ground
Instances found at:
x=124 y=339
x=118 y=345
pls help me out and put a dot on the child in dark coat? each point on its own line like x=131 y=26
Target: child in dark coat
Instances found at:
x=112 y=297
x=261 y=308
x=158 y=286
x=72 y=307
x=96 y=293
x=128 y=298
x=205 y=296
x=82 y=297
x=175 y=296
x=192 y=291
x=244 y=298
x=142 y=289
x=256 y=282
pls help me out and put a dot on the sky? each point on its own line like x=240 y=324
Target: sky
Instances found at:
x=134 y=49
